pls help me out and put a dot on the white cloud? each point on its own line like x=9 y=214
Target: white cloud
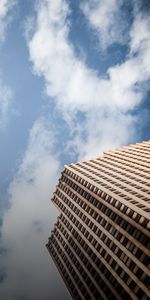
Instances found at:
x=108 y=19
x=101 y=131
x=29 y=219
x=75 y=87
x=5 y=91
x=140 y=43
x=5 y=8
x=5 y=103
x=139 y=33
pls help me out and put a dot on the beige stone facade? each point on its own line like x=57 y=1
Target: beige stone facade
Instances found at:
x=100 y=243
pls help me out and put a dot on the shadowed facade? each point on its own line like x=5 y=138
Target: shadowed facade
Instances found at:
x=100 y=243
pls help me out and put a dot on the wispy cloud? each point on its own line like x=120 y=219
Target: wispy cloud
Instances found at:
x=27 y=223
x=5 y=103
x=6 y=7
x=108 y=18
x=105 y=102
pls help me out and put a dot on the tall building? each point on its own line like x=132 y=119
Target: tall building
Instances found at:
x=100 y=243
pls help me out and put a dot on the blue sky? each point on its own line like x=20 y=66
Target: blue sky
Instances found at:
x=74 y=82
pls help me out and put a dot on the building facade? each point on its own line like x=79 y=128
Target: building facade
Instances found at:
x=100 y=243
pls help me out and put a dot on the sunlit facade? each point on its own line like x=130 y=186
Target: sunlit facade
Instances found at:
x=100 y=243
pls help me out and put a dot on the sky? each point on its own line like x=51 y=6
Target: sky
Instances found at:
x=74 y=82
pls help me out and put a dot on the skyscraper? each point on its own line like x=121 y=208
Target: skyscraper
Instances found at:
x=100 y=243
